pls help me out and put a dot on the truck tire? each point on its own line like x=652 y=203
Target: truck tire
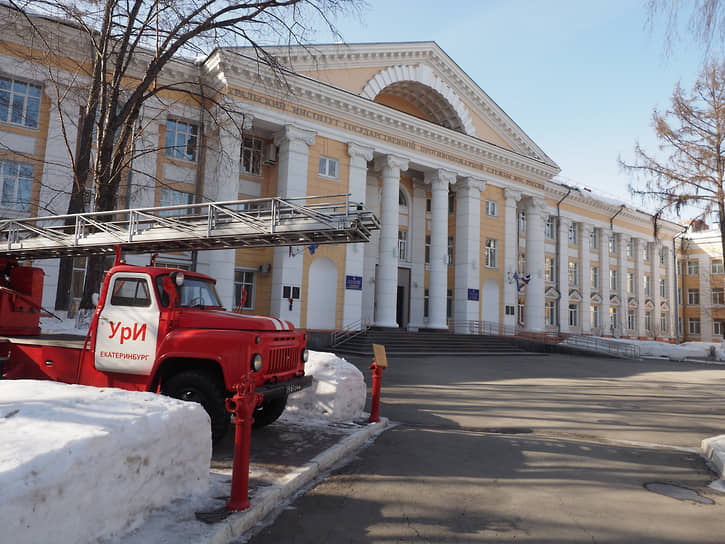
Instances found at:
x=269 y=411
x=195 y=386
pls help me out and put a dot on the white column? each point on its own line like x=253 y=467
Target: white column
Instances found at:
x=639 y=272
x=439 y=181
x=371 y=250
x=563 y=284
x=355 y=253
x=468 y=251
x=622 y=285
x=386 y=286
x=672 y=291
x=585 y=271
x=417 y=272
x=294 y=153
x=604 y=236
x=705 y=299
x=535 y=264
x=221 y=184
x=511 y=256
x=656 y=277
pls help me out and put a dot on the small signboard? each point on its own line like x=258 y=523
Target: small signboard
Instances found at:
x=473 y=294
x=353 y=282
x=379 y=353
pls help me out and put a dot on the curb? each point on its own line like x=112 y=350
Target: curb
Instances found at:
x=267 y=499
x=713 y=449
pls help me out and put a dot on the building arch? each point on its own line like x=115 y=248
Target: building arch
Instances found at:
x=433 y=98
x=322 y=294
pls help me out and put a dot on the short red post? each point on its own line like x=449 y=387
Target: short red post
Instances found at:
x=375 y=404
x=242 y=405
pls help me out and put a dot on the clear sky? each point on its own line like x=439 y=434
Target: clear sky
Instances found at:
x=580 y=78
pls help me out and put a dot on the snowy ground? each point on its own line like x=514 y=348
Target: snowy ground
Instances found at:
x=701 y=351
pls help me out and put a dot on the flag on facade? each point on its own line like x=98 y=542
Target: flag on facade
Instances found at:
x=312 y=248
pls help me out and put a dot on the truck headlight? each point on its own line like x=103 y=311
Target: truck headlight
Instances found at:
x=256 y=362
x=305 y=355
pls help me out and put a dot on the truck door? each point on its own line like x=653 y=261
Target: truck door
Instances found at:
x=128 y=326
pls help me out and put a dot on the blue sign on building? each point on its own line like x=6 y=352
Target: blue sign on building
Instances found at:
x=353 y=282
x=473 y=294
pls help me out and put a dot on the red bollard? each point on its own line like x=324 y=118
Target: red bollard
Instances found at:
x=375 y=404
x=242 y=405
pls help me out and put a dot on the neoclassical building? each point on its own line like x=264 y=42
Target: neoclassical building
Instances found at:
x=476 y=231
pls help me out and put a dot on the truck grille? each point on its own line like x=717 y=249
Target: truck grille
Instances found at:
x=282 y=359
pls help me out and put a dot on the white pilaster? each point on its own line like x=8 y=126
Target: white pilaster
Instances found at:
x=535 y=264
x=439 y=181
x=294 y=153
x=511 y=255
x=639 y=272
x=468 y=251
x=605 y=325
x=622 y=265
x=563 y=284
x=386 y=286
x=417 y=272
x=355 y=253
x=656 y=295
x=585 y=268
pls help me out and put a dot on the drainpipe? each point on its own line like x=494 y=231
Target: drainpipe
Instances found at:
x=611 y=230
x=677 y=312
x=558 y=256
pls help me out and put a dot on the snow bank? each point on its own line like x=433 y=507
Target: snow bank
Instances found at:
x=337 y=392
x=82 y=463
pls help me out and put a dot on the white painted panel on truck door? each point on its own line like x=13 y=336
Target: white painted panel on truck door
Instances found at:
x=128 y=326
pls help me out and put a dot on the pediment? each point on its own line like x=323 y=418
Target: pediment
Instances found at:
x=596 y=299
x=552 y=292
x=575 y=295
x=649 y=305
x=664 y=306
x=632 y=302
x=614 y=300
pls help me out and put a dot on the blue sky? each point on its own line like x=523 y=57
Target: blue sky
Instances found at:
x=580 y=78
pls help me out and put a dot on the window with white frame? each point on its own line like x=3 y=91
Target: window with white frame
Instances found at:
x=491 y=208
x=693 y=325
x=403 y=245
x=573 y=273
x=574 y=234
x=663 y=323
x=613 y=244
x=251 y=155
x=522 y=313
x=594 y=239
x=426 y=303
x=693 y=268
x=595 y=317
x=630 y=282
x=522 y=264
x=181 y=140
x=328 y=167
x=427 y=249
x=522 y=222
x=648 y=321
x=631 y=320
x=550 y=312
x=19 y=102
x=491 y=253
x=550 y=228
x=663 y=287
x=451 y=203
x=679 y=296
x=646 y=251
x=717 y=328
x=171 y=197
x=595 y=277
x=549 y=269
x=612 y=278
x=402 y=201
x=693 y=296
x=573 y=315
x=647 y=286
x=663 y=255
x=449 y=303
x=716 y=266
x=451 y=248
x=679 y=325
x=629 y=248
x=16 y=179
x=244 y=283
x=718 y=295
x=613 y=317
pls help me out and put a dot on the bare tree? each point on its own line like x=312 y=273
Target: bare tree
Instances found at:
x=705 y=21
x=131 y=42
x=690 y=170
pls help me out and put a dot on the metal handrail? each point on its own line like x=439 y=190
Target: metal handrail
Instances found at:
x=348 y=332
x=613 y=348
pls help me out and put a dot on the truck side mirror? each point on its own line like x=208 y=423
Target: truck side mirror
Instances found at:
x=178 y=277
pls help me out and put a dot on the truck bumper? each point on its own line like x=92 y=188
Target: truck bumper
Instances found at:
x=282 y=389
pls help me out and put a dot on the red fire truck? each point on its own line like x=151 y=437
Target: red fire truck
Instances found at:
x=160 y=329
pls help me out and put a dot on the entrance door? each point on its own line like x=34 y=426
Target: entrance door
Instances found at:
x=402 y=307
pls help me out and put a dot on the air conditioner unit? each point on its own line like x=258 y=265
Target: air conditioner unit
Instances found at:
x=270 y=154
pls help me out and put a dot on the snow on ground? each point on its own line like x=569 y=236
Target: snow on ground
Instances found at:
x=701 y=351
x=80 y=463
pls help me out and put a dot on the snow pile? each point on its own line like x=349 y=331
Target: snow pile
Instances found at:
x=701 y=351
x=337 y=392
x=84 y=462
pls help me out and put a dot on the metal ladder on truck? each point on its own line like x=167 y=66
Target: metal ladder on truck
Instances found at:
x=260 y=222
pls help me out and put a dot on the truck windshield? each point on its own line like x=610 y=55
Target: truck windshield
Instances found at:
x=195 y=292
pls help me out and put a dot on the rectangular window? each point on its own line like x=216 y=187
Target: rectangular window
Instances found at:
x=663 y=255
x=716 y=266
x=426 y=303
x=663 y=323
x=648 y=321
x=631 y=320
x=594 y=239
x=491 y=208
x=16 y=180
x=595 y=317
x=244 y=288
x=130 y=292
x=613 y=317
x=451 y=203
x=491 y=253
x=403 y=245
x=573 y=273
x=717 y=328
x=181 y=140
x=693 y=296
x=646 y=252
x=693 y=268
x=663 y=287
x=647 y=286
x=630 y=247
x=252 y=156
x=19 y=102
x=522 y=264
x=612 y=279
x=550 y=312
x=574 y=234
x=613 y=244
x=170 y=197
x=595 y=277
x=450 y=251
x=449 y=303
x=549 y=269
x=718 y=295
x=550 y=228
x=328 y=167
x=573 y=315
x=630 y=282
x=522 y=222
x=427 y=249
x=693 y=325
x=679 y=296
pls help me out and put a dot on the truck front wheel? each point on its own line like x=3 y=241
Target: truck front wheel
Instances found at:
x=195 y=386
x=269 y=411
